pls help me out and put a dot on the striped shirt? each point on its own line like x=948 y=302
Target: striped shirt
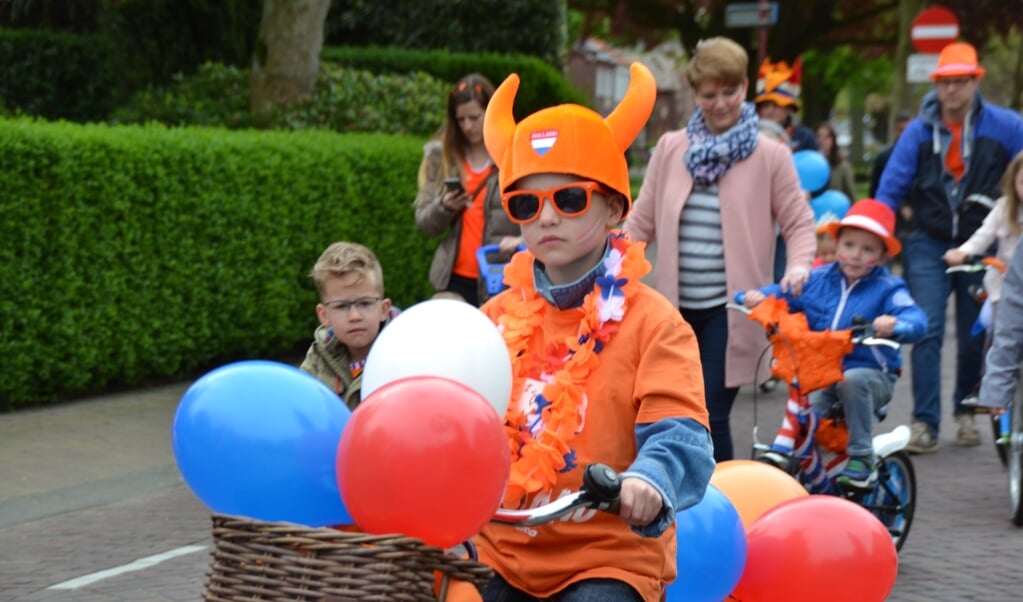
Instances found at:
x=701 y=258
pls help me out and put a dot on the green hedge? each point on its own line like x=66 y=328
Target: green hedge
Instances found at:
x=57 y=75
x=533 y=27
x=129 y=253
x=541 y=85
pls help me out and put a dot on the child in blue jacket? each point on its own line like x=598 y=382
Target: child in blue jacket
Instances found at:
x=857 y=285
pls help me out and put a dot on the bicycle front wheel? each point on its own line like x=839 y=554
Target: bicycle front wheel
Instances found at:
x=893 y=500
x=1015 y=464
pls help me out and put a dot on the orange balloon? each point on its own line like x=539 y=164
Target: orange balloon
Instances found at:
x=754 y=487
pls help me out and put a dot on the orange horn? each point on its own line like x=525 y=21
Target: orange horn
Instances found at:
x=499 y=121
x=632 y=112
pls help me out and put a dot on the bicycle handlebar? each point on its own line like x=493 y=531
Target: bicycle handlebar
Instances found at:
x=600 y=491
x=977 y=263
x=861 y=333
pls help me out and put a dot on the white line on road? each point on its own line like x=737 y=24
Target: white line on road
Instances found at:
x=138 y=565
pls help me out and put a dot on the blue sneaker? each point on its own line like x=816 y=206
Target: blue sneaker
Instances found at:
x=858 y=474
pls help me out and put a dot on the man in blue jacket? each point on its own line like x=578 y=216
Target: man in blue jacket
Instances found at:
x=948 y=165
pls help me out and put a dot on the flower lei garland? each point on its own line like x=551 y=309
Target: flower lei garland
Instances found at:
x=566 y=366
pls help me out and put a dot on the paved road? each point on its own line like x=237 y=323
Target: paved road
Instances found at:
x=92 y=508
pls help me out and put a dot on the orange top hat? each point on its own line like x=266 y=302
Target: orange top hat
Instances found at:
x=568 y=138
x=779 y=83
x=874 y=217
x=957 y=60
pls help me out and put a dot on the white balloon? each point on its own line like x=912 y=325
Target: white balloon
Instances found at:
x=446 y=338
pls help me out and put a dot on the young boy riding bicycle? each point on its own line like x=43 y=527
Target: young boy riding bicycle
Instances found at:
x=604 y=368
x=856 y=286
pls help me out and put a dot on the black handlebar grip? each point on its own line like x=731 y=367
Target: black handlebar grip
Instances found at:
x=602 y=483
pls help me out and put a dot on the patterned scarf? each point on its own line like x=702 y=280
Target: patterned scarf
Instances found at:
x=710 y=156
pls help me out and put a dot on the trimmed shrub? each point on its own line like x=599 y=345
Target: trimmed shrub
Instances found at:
x=345 y=100
x=543 y=85
x=129 y=253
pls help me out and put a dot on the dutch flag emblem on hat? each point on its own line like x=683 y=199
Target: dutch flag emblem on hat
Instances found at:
x=543 y=140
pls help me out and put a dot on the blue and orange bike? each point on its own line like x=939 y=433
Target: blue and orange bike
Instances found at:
x=811 y=360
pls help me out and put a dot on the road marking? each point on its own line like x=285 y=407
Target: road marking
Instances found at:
x=138 y=565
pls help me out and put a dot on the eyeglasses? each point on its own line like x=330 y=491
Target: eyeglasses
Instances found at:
x=570 y=200
x=361 y=305
x=948 y=82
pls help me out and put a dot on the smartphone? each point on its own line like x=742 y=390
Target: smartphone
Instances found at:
x=454 y=184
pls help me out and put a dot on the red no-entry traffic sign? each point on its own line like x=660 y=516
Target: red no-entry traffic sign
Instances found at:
x=933 y=29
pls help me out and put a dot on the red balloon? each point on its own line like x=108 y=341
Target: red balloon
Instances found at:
x=424 y=456
x=818 y=547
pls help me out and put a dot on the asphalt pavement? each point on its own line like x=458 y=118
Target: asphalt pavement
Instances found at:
x=92 y=507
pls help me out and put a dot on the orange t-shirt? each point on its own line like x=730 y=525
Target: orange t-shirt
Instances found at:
x=466 y=264
x=649 y=370
x=954 y=157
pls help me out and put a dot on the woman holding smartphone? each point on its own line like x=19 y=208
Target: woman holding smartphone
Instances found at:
x=459 y=195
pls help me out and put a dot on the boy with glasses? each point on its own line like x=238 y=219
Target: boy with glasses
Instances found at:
x=352 y=310
x=948 y=166
x=604 y=368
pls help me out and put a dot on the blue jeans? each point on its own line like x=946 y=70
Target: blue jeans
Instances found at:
x=930 y=287
x=587 y=590
x=862 y=391
x=711 y=328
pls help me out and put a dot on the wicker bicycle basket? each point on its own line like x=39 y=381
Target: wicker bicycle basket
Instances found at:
x=258 y=560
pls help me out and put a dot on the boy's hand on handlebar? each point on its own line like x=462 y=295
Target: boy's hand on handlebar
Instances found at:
x=954 y=257
x=753 y=298
x=793 y=280
x=509 y=244
x=884 y=325
x=640 y=502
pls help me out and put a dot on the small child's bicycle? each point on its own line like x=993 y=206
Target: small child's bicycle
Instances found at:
x=1006 y=429
x=981 y=263
x=812 y=360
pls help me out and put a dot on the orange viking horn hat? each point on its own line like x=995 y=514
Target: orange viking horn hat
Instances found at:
x=568 y=138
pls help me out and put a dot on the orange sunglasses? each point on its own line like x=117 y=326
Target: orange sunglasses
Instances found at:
x=570 y=200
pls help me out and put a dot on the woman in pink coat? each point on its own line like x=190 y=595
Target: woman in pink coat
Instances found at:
x=713 y=197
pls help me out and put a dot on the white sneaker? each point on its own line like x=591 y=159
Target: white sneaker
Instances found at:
x=967 y=434
x=921 y=441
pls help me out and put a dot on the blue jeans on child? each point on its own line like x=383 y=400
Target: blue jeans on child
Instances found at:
x=588 y=590
x=862 y=392
x=930 y=287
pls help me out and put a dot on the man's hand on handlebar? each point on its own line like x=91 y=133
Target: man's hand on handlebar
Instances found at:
x=640 y=502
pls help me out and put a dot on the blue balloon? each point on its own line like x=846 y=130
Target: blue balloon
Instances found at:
x=812 y=168
x=828 y=206
x=711 y=550
x=259 y=439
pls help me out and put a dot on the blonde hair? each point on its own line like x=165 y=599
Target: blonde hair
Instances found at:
x=1012 y=200
x=719 y=60
x=343 y=258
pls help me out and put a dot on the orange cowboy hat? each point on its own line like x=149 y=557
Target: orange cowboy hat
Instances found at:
x=871 y=216
x=957 y=60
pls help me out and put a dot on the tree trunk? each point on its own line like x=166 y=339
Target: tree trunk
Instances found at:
x=287 y=55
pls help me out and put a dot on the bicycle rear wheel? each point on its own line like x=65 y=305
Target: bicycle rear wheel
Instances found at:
x=1015 y=464
x=893 y=500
